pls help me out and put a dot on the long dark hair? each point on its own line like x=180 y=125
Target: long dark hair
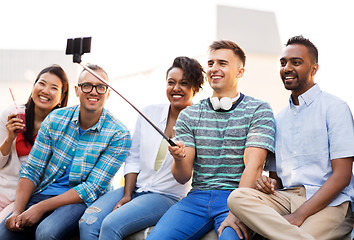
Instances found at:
x=59 y=72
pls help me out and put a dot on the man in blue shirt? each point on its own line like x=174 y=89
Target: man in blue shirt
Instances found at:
x=312 y=169
x=77 y=152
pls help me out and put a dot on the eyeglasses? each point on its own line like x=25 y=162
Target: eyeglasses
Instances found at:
x=87 y=88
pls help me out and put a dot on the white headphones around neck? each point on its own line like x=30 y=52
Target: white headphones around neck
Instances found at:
x=224 y=103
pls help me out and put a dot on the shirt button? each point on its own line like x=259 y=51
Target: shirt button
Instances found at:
x=64 y=167
x=295 y=152
x=53 y=180
x=73 y=150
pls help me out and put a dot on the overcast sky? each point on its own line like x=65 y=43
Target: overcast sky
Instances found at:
x=130 y=36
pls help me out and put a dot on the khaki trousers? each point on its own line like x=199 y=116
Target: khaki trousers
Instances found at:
x=263 y=214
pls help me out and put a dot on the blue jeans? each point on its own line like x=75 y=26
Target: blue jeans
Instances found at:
x=58 y=224
x=194 y=216
x=144 y=210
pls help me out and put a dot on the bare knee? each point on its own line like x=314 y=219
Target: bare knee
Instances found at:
x=89 y=216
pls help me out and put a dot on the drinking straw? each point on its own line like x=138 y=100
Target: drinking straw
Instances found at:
x=13 y=99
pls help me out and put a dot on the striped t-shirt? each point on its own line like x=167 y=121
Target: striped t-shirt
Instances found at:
x=220 y=138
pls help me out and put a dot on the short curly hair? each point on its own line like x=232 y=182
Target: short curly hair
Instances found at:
x=192 y=71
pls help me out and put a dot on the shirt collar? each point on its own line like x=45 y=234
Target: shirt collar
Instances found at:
x=164 y=115
x=75 y=118
x=309 y=96
x=97 y=127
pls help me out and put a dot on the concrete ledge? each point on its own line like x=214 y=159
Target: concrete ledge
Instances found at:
x=141 y=235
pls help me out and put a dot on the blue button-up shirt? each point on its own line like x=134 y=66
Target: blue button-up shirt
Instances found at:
x=308 y=137
x=95 y=156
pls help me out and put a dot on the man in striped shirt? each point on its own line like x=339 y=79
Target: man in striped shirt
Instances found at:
x=77 y=152
x=223 y=142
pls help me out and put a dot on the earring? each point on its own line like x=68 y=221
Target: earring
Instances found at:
x=59 y=104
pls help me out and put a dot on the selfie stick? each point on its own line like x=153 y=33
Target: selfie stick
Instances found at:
x=78 y=47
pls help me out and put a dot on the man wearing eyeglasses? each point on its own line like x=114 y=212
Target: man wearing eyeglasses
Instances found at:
x=77 y=152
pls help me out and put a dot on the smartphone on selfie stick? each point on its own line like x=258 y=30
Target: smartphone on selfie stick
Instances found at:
x=77 y=47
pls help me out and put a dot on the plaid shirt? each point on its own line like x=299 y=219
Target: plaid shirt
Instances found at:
x=96 y=156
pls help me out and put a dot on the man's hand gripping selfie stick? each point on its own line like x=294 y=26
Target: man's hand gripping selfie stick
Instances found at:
x=77 y=47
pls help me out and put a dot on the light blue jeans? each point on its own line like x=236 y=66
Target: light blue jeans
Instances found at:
x=59 y=224
x=194 y=216
x=144 y=210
